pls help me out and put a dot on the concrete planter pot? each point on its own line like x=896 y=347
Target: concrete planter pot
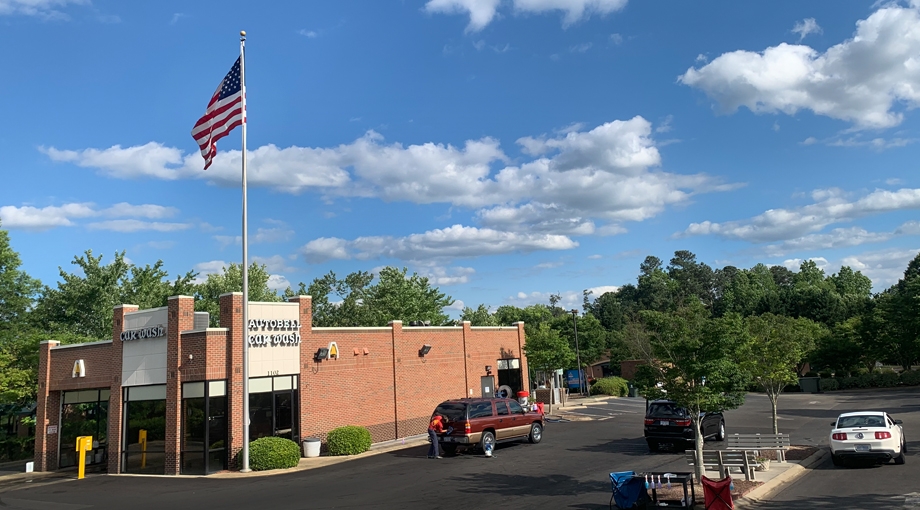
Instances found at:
x=763 y=465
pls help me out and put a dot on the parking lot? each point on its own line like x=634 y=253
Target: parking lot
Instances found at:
x=569 y=469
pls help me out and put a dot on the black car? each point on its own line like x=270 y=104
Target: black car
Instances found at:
x=668 y=423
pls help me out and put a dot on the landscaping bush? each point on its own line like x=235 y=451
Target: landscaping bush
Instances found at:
x=614 y=386
x=910 y=378
x=829 y=384
x=273 y=453
x=825 y=374
x=885 y=379
x=349 y=440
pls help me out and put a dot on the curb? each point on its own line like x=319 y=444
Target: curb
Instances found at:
x=769 y=489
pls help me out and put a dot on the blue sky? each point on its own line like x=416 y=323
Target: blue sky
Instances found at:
x=507 y=149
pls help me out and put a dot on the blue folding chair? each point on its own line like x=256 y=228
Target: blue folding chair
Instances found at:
x=626 y=489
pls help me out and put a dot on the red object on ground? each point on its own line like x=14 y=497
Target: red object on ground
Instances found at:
x=540 y=407
x=523 y=394
x=718 y=493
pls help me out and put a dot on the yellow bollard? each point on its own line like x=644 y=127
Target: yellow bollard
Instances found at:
x=142 y=439
x=84 y=444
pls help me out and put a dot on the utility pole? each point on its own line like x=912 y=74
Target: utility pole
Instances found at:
x=581 y=383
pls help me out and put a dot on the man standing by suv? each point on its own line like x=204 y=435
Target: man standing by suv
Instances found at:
x=434 y=428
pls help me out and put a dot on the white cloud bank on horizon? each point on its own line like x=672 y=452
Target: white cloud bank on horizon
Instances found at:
x=866 y=79
x=40 y=219
x=46 y=9
x=483 y=12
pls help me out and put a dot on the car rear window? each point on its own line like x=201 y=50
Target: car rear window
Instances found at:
x=501 y=408
x=666 y=411
x=515 y=407
x=862 y=420
x=453 y=411
x=480 y=410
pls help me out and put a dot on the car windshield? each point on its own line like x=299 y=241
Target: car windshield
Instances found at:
x=860 y=420
x=666 y=411
x=453 y=411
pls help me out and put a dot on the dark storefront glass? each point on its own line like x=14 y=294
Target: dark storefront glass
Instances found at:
x=273 y=407
x=145 y=417
x=84 y=413
x=204 y=427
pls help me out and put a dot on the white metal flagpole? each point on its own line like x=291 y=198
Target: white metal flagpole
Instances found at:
x=245 y=466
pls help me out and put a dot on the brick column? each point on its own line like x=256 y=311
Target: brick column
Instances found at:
x=306 y=356
x=113 y=438
x=181 y=317
x=231 y=317
x=47 y=411
x=397 y=336
x=522 y=341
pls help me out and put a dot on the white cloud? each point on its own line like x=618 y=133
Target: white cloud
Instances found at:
x=805 y=27
x=458 y=305
x=581 y=48
x=830 y=206
x=836 y=238
x=308 y=33
x=438 y=275
x=616 y=39
x=864 y=80
x=665 y=125
x=47 y=9
x=151 y=211
x=176 y=17
x=274 y=264
x=595 y=257
x=580 y=181
x=481 y=12
x=277 y=282
x=33 y=218
x=795 y=264
x=597 y=292
x=776 y=126
x=575 y=10
x=126 y=226
x=440 y=244
x=810 y=141
x=883 y=267
x=569 y=299
x=211 y=267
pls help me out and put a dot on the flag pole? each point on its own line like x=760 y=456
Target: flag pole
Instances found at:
x=245 y=466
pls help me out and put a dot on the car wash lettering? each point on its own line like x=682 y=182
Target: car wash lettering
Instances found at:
x=274 y=332
x=140 y=334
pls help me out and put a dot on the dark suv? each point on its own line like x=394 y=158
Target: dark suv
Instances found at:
x=666 y=422
x=477 y=422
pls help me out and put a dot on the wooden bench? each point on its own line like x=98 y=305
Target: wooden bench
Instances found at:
x=723 y=461
x=757 y=442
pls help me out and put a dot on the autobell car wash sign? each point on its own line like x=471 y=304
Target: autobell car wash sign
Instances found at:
x=274 y=332
x=143 y=333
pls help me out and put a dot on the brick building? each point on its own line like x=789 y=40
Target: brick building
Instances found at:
x=165 y=395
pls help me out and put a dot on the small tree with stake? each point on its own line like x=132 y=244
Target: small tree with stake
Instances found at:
x=695 y=363
x=547 y=351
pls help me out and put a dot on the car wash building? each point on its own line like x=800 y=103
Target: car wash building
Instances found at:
x=165 y=394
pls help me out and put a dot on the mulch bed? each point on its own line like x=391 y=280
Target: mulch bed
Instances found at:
x=795 y=452
x=675 y=493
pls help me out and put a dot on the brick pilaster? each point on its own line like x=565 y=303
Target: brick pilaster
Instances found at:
x=306 y=356
x=181 y=317
x=46 y=445
x=522 y=341
x=116 y=401
x=231 y=317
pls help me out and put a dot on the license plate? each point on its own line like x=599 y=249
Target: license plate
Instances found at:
x=447 y=439
x=665 y=423
x=862 y=448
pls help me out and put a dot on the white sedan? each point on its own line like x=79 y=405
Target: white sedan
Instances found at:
x=867 y=435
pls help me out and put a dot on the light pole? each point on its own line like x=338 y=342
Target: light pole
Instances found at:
x=581 y=387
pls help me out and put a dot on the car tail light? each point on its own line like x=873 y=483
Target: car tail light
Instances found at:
x=883 y=435
x=839 y=436
x=466 y=427
x=649 y=421
x=682 y=423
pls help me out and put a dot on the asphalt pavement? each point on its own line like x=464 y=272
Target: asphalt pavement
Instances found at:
x=569 y=469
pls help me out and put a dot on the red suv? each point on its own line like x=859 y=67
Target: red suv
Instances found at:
x=477 y=422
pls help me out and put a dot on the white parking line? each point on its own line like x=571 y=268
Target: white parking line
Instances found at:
x=912 y=500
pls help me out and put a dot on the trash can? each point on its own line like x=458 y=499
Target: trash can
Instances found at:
x=810 y=384
x=311 y=447
x=633 y=391
x=522 y=397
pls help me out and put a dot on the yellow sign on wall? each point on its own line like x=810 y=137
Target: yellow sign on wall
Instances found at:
x=79 y=368
x=333 y=351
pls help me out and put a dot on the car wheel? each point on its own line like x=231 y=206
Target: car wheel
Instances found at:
x=536 y=433
x=488 y=438
x=449 y=449
x=900 y=458
x=653 y=446
x=836 y=460
x=720 y=436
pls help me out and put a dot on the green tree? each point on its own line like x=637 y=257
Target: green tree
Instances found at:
x=230 y=279
x=340 y=302
x=692 y=278
x=774 y=349
x=17 y=289
x=397 y=296
x=895 y=319
x=478 y=317
x=695 y=359
x=547 y=351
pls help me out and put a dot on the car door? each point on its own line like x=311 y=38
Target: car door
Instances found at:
x=519 y=422
x=504 y=428
x=896 y=429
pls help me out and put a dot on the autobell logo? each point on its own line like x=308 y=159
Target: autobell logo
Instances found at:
x=140 y=334
x=859 y=435
x=274 y=332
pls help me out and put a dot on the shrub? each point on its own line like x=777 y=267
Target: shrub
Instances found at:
x=885 y=379
x=846 y=383
x=614 y=386
x=828 y=384
x=825 y=374
x=273 y=453
x=910 y=378
x=811 y=373
x=348 y=440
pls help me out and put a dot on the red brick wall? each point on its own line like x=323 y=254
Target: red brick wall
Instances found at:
x=628 y=368
x=45 y=411
x=231 y=318
x=181 y=318
x=114 y=438
x=209 y=356
x=97 y=360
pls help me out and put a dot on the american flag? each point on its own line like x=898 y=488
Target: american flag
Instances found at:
x=225 y=112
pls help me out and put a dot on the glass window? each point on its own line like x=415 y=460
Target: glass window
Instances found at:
x=501 y=408
x=155 y=392
x=666 y=411
x=83 y=419
x=283 y=383
x=217 y=432
x=145 y=434
x=284 y=415
x=515 y=407
x=194 y=417
x=514 y=363
x=454 y=411
x=260 y=385
x=480 y=410
x=217 y=388
x=502 y=364
x=193 y=390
